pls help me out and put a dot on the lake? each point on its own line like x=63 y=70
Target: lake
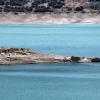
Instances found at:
x=52 y=81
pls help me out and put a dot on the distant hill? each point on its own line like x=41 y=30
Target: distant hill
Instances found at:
x=56 y=6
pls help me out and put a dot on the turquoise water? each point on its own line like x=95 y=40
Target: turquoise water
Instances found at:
x=52 y=81
x=79 y=40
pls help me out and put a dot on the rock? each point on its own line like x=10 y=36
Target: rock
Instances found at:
x=95 y=60
x=67 y=59
x=75 y=59
x=84 y=59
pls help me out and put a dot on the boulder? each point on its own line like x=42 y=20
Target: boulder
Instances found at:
x=75 y=59
x=95 y=60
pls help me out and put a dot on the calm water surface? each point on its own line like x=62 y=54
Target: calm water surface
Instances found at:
x=52 y=81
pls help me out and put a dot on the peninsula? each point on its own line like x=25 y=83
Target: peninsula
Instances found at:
x=10 y=56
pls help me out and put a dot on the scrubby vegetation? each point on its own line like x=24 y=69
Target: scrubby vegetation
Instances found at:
x=56 y=6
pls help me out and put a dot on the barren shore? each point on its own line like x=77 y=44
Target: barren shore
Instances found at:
x=49 y=18
x=10 y=56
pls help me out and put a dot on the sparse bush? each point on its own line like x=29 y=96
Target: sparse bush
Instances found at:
x=79 y=8
x=0 y=9
x=1 y=2
x=41 y=9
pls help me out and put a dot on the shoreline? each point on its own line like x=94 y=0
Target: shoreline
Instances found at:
x=49 y=18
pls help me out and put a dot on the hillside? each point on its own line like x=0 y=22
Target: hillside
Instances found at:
x=55 y=6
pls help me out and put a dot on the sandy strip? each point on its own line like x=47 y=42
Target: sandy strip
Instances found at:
x=48 y=18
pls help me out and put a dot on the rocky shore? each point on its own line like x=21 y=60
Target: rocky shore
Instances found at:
x=26 y=56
